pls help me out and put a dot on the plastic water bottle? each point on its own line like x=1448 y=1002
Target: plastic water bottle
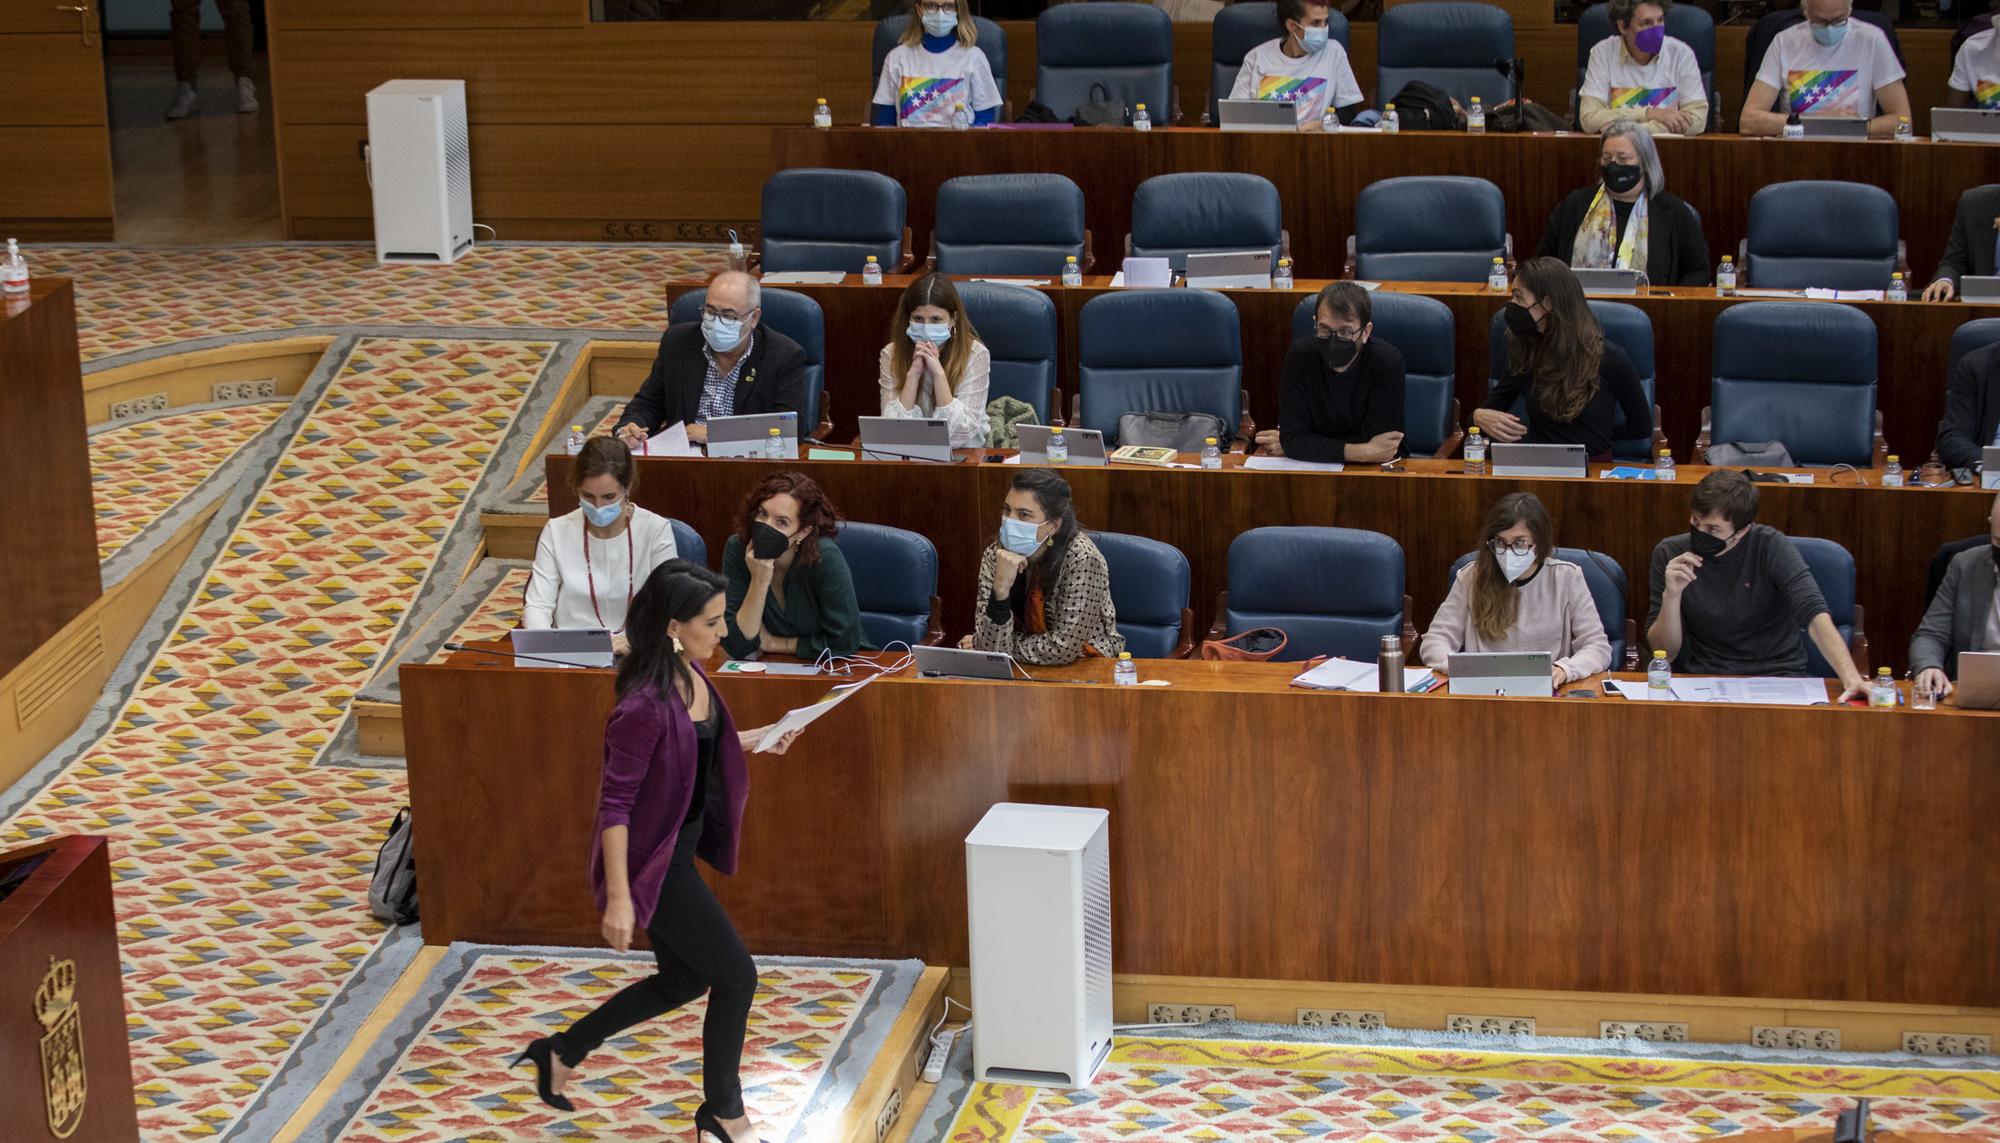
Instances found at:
x=1282 y=279
x=1892 y=473
x=1793 y=128
x=1904 y=132
x=737 y=260
x=1496 y=277
x=1475 y=451
x=961 y=119
x=1660 y=677
x=1211 y=454
x=1899 y=289
x=14 y=271
x=1663 y=466
x=774 y=445
x=1140 y=120
x=1072 y=273
x=1725 y=276
x=1329 y=122
x=573 y=444
x=1475 y=117
x=1058 y=447
x=822 y=115
x=1882 y=695
x=1390 y=123
x=871 y=272
x=1126 y=673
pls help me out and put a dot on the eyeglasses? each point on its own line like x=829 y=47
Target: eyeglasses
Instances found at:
x=937 y=9
x=1518 y=547
x=1348 y=334
x=723 y=315
x=1840 y=23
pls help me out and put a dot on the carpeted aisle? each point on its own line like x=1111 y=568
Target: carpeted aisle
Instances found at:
x=141 y=469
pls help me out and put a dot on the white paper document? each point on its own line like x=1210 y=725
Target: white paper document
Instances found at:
x=1770 y=293
x=1824 y=295
x=1637 y=691
x=805 y=716
x=1769 y=692
x=752 y=667
x=1031 y=282
x=1144 y=273
x=1287 y=464
x=1353 y=675
x=670 y=441
x=804 y=278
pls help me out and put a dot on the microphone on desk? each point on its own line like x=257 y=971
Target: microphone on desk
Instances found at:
x=510 y=655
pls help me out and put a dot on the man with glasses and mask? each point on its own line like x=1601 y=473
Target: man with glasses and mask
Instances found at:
x=727 y=366
x=1828 y=64
x=1730 y=596
x=1964 y=615
x=1341 y=398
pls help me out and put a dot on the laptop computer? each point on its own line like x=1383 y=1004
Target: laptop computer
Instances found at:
x=1086 y=446
x=1979 y=680
x=1509 y=673
x=1989 y=467
x=572 y=647
x=905 y=438
x=1834 y=126
x=1965 y=125
x=1539 y=459
x=1611 y=283
x=1230 y=270
x=1256 y=115
x=962 y=663
x=745 y=435
x=1976 y=288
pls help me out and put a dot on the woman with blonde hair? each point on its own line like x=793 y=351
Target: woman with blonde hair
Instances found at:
x=935 y=69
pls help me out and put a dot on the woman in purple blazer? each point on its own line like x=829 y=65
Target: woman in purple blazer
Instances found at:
x=673 y=790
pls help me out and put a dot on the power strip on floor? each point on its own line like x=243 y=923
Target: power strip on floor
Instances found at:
x=940 y=1052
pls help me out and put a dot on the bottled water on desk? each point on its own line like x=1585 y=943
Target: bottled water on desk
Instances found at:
x=822 y=115
x=1659 y=677
x=14 y=271
x=961 y=119
x=1725 y=276
x=1058 y=447
x=1496 y=278
x=1663 y=466
x=1390 y=123
x=871 y=272
x=1329 y=122
x=1126 y=673
x=1475 y=451
x=1475 y=117
x=1882 y=694
x=1282 y=278
x=1892 y=473
x=1904 y=132
x=1072 y=273
x=1899 y=289
x=774 y=445
x=1211 y=454
x=573 y=443
x=1140 y=120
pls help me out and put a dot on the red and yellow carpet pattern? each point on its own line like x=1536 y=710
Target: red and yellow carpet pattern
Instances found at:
x=495 y=615
x=139 y=470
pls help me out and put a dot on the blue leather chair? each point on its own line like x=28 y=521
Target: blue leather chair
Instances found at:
x=1240 y=27
x=1421 y=328
x=1685 y=22
x=819 y=218
x=895 y=584
x=688 y=543
x=1428 y=228
x=1606 y=579
x=1448 y=44
x=1797 y=372
x=1009 y=224
x=1144 y=351
x=1837 y=235
x=1205 y=212
x=1632 y=331
x=1833 y=569
x=992 y=42
x=1975 y=334
x=1018 y=325
x=1127 y=50
x=1149 y=591
x=793 y=314
x=1333 y=591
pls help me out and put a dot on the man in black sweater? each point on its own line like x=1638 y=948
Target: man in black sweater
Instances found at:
x=1971 y=408
x=727 y=366
x=1341 y=398
x=1971 y=247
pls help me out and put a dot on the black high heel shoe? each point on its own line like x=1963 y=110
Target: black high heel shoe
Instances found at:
x=706 y=1126
x=542 y=1052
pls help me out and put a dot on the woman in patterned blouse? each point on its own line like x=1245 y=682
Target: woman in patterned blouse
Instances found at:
x=1044 y=592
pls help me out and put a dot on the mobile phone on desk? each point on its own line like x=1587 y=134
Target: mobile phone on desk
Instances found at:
x=1580 y=693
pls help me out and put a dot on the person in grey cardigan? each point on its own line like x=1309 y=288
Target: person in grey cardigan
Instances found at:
x=1964 y=615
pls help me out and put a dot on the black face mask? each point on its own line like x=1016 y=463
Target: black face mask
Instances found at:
x=1338 y=354
x=1705 y=545
x=1520 y=321
x=1620 y=177
x=767 y=543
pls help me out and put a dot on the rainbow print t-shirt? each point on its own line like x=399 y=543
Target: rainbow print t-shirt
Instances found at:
x=1642 y=97
x=1824 y=91
x=924 y=86
x=1813 y=79
x=1976 y=69
x=1311 y=84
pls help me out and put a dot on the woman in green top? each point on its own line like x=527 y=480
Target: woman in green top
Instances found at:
x=789 y=591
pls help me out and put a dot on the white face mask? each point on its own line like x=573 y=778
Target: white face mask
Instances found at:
x=935 y=332
x=1514 y=565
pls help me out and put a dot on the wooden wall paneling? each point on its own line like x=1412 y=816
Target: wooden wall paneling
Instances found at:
x=52 y=83
x=55 y=127
x=1919 y=180
x=304 y=15
x=1927 y=55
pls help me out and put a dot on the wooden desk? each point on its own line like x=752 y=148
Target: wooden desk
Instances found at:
x=1318 y=176
x=1435 y=511
x=1265 y=832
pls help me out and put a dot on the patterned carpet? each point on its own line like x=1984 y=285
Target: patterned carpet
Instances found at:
x=495 y=615
x=139 y=470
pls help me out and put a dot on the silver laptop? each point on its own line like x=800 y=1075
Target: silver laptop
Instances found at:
x=1539 y=459
x=745 y=435
x=571 y=647
x=1528 y=674
x=1965 y=125
x=1989 y=467
x=962 y=663
x=1834 y=126
x=1611 y=283
x=1979 y=680
x=1086 y=446
x=1257 y=115
x=1976 y=288
x=905 y=438
x=1230 y=270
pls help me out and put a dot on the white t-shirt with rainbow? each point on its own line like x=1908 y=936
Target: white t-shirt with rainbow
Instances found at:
x=1307 y=82
x=1672 y=77
x=1976 y=70
x=923 y=85
x=1840 y=80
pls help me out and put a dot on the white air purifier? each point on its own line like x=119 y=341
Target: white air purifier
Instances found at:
x=420 y=170
x=1038 y=889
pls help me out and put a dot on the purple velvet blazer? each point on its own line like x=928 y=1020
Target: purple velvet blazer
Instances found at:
x=650 y=758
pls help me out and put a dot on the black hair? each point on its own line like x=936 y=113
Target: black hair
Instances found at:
x=676 y=592
x=1345 y=299
x=1289 y=10
x=1729 y=493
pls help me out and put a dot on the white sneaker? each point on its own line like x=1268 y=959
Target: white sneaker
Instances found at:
x=183 y=103
x=246 y=95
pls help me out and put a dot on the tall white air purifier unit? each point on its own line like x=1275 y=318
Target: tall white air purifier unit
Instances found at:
x=420 y=170
x=1038 y=889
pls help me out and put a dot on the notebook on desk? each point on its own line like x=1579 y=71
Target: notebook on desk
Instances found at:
x=1989 y=467
x=1086 y=446
x=1507 y=673
x=1979 y=680
x=556 y=647
x=905 y=438
x=1965 y=125
x=1540 y=459
x=1611 y=283
x=1256 y=115
x=1834 y=126
x=746 y=435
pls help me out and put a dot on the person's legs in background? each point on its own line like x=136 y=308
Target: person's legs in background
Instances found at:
x=238 y=36
x=184 y=24
x=241 y=39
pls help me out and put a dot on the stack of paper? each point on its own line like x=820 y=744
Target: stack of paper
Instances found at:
x=670 y=441
x=1768 y=692
x=1350 y=675
x=1287 y=464
x=804 y=278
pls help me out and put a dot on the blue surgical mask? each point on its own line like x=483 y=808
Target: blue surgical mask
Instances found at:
x=722 y=334
x=604 y=515
x=1829 y=35
x=1019 y=536
x=937 y=333
x=940 y=23
x=1313 y=40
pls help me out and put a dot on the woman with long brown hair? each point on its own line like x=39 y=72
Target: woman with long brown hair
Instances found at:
x=1574 y=382
x=935 y=365
x=1516 y=595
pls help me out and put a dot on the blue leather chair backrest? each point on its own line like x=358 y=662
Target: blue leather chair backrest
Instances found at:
x=1127 y=49
x=688 y=544
x=1448 y=44
x=1421 y=328
x=1145 y=351
x=1199 y=212
x=793 y=314
x=1240 y=27
x=1149 y=590
x=1008 y=224
x=1625 y=325
x=1429 y=228
x=1333 y=591
x=1975 y=334
x=819 y=218
x=991 y=41
x=1018 y=325
x=895 y=576
x=1606 y=579
x=1813 y=232
x=1832 y=568
x=1797 y=372
x=1685 y=22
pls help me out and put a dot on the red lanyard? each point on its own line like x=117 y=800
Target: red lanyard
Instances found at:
x=591 y=577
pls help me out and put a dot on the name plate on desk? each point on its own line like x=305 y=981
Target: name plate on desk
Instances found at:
x=1540 y=460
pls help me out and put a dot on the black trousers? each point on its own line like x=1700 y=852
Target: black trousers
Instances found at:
x=698 y=951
